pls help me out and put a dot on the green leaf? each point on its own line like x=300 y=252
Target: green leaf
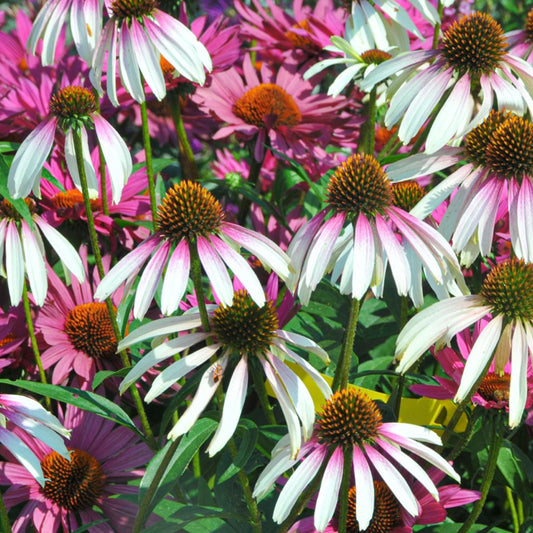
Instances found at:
x=250 y=433
x=88 y=401
x=6 y=146
x=86 y=527
x=187 y=448
x=54 y=181
x=101 y=376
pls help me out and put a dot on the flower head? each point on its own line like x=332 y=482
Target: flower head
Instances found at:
x=73 y=109
x=190 y=216
x=139 y=34
x=472 y=55
x=496 y=179
x=361 y=196
x=21 y=247
x=351 y=423
x=241 y=334
x=77 y=331
x=83 y=486
x=506 y=296
x=271 y=107
x=85 y=26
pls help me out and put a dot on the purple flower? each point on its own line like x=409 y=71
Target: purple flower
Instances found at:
x=108 y=455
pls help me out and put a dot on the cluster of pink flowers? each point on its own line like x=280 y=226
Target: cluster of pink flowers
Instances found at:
x=206 y=214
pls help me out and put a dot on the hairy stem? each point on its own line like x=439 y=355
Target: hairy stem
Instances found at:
x=340 y=381
x=33 y=339
x=100 y=267
x=149 y=164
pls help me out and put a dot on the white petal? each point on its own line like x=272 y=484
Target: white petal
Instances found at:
x=329 y=489
x=518 y=386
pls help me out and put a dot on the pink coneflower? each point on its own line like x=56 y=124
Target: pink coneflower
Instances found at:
x=492 y=392
x=21 y=248
x=77 y=331
x=32 y=420
x=350 y=421
x=472 y=53
x=506 y=296
x=497 y=178
x=72 y=108
x=279 y=36
x=85 y=26
x=271 y=107
x=361 y=200
x=189 y=215
x=140 y=33
x=242 y=334
x=107 y=455
x=390 y=516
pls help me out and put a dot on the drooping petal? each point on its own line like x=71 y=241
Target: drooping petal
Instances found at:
x=34 y=264
x=14 y=264
x=180 y=368
x=216 y=271
x=116 y=154
x=233 y=405
x=518 y=385
x=30 y=158
x=206 y=390
x=479 y=356
x=176 y=278
x=364 y=486
x=329 y=489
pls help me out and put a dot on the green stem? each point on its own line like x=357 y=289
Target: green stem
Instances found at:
x=260 y=390
x=149 y=165
x=488 y=475
x=521 y=516
x=395 y=400
x=368 y=134
x=196 y=275
x=143 y=512
x=390 y=146
x=512 y=508
x=345 y=489
x=440 y=9
x=100 y=267
x=255 y=514
x=188 y=163
x=466 y=436
x=33 y=339
x=253 y=181
x=5 y=525
x=340 y=381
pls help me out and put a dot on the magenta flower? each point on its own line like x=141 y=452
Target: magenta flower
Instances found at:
x=519 y=41
x=497 y=179
x=506 y=296
x=361 y=198
x=473 y=51
x=188 y=216
x=276 y=108
x=22 y=253
x=244 y=331
x=72 y=108
x=280 y=36
x=77 y=331
x=32 y=421
x=108 y=455
x=140 y=34
x=352 y=421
